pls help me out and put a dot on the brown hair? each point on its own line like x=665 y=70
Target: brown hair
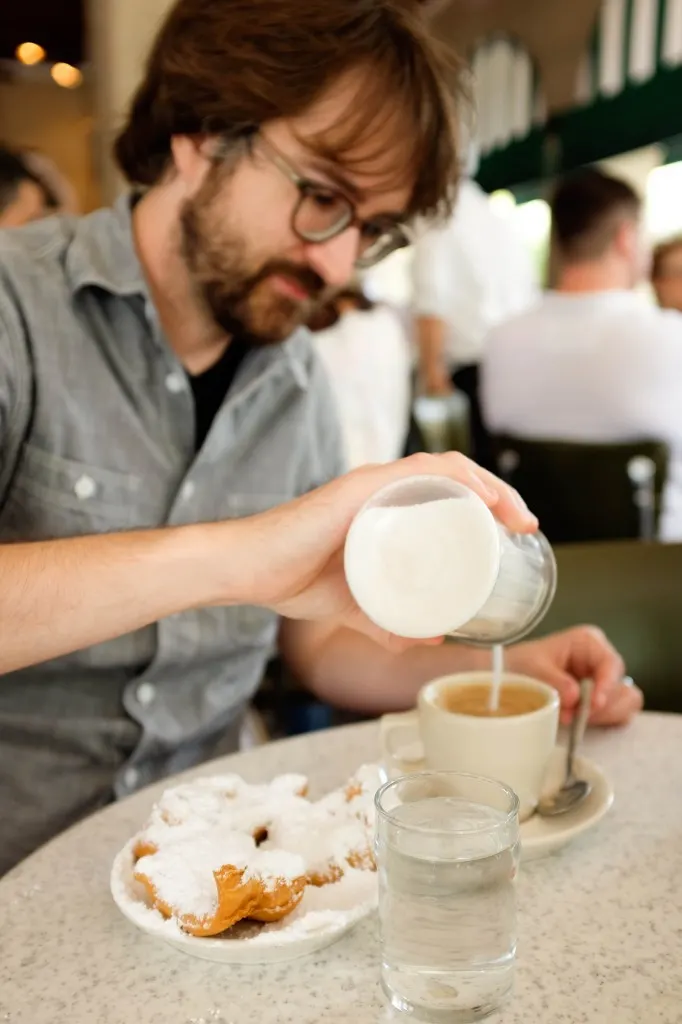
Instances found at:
x=588 y=207
x=13 y=171
x=660 y=254
x=229 y=66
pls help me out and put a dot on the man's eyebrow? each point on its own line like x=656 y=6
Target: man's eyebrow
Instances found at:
x=338 y=178
x=330 y=170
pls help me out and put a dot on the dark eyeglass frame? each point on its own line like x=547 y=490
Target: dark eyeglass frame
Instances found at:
x=396 y=235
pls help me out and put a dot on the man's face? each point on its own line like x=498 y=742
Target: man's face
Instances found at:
x=28 y=204
x=251 y=269
x=668 y=281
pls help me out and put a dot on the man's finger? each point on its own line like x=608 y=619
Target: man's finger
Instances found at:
x=625 y=703
x=566 y=686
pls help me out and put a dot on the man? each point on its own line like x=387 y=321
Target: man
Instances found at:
x=666 y=273
x=160 y=415
x=593 y=360
x=23 y=198
x=469 y=275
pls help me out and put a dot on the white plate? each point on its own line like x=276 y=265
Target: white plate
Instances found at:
x=314 y=924
x=540 y=836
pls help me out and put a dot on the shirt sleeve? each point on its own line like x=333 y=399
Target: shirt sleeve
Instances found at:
x=430 y=274
x=15 y=389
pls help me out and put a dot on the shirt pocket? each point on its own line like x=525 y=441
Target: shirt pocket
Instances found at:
x=53 y=496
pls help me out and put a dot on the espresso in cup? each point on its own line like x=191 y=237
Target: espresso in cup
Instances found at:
x=457 y=732
x=515 y=699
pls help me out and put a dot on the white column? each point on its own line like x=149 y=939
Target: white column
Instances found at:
x=672 y=33
x=612 y=41
x=120 y=34
x=643 y=39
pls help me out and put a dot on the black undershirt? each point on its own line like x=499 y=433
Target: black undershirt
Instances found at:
x=210 y=387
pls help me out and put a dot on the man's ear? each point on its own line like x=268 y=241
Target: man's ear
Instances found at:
x=190 y=159
x=626 y=240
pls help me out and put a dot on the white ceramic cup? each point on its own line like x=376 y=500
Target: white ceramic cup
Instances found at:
x=514 y=750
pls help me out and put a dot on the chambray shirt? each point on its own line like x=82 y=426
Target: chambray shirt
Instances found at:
x=97 y=435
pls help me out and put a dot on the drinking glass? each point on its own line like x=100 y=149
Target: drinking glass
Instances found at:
x=447 y=848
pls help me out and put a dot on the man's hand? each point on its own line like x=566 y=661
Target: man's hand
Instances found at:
x=563 y=659
x=62 y=595
x=298 y=547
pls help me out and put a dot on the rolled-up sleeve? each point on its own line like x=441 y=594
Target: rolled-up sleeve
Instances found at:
x=15 y=389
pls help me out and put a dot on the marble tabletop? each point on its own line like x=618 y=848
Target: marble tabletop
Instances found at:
x=600 y=922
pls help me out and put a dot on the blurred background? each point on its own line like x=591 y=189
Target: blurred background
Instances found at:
x=555 y=84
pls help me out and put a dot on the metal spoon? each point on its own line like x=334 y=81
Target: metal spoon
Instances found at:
x=573 y=790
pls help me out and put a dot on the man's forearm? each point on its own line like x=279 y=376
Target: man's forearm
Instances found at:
x=351 y=671
x=431 y=338
x=60 y=596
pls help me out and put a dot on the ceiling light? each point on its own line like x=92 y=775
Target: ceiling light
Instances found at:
x=30 y=53
x=66 y=75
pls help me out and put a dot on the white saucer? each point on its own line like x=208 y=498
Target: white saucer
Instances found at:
x=314 y=924
x=539 y=836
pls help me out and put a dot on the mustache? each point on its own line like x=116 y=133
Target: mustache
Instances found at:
x=306 y=277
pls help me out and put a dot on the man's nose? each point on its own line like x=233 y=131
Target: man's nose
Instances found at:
x=335 y=260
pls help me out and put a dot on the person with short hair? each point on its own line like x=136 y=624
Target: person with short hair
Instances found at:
x=163 y=416
x=666 y=273
x=593 y=360
x=23 y=198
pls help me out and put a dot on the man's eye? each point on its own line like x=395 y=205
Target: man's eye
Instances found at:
x=327 y=200
x=371 y=231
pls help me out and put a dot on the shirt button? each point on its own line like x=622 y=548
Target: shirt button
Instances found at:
x=146 y=692
x=175 y=383
x=85 y=487
x=187 y=490
x=131 y=777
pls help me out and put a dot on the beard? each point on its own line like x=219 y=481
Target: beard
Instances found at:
x=238 y=295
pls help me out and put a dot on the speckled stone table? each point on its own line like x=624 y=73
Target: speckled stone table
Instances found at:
x=600 y=922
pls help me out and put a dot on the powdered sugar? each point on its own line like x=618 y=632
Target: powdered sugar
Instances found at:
x=323 y=843
x=182 y=871
x=335 y=831
x=327 y=908
x=324 y=912
x=198 y=828
x=224 y=800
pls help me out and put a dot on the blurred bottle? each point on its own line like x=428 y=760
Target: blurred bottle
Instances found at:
x=444 y=422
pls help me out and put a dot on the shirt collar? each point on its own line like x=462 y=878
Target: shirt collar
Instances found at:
x=102 y=252
x=102 y=255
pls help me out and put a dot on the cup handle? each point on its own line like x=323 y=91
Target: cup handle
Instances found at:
x=405 y=759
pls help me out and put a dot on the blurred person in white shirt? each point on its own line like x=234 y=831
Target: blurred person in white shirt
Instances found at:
x=366 y=352
x=593 y=361
x=468 y=277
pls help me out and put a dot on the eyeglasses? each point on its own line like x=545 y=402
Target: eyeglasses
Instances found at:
x=321 y=213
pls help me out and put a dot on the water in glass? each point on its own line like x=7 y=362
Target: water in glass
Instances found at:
x=447 y=907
